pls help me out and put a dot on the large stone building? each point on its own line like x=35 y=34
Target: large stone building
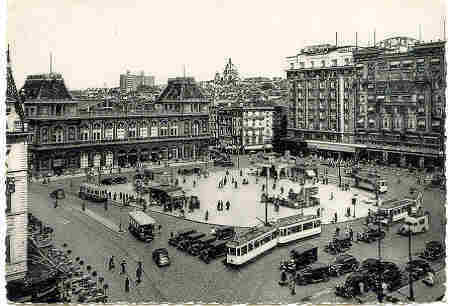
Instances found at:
x=244 y=126
x=385 y=102
x=322 y=100
x=16 y=183
x=400 y=114
x=64 y=138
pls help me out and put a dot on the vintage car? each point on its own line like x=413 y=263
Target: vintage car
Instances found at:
x=224 y=233
x=353 y=285
x=418 y=268
x=197 y=247
x=314 y=273
x=107 y=181
x=300 y=257
x=161 y=257
x=338 y=244
x=434 y=250
x=217 y=249
x=343 y=264
x=174 y=241
x=373 y=233
x=188 y=240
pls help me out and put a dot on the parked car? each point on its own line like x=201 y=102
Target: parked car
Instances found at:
x=338 y=244
x=418 y=268
x=314 y=273
x=58 y=194
x=351 y=287
x=120 y=180
x=434 y=250
x=188 y=240
x=196 y=248
x=161 y=257
x=300 y=257
x=174 y=241
x=224 y=233
x=107 y=181
x=388 y=271
x=343 y=264
x=373 y=233
x=216 y=249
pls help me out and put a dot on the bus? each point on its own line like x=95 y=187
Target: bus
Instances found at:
x=254 y=242
x=369 y=181
x=395 y=210
x=92 y=192
x=298 y=227
x=141 y=225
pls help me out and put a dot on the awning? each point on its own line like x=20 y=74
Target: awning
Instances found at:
x=394 y=63
x=407 y=62
x=310 y=173
x=420 y=60
x=380 y=97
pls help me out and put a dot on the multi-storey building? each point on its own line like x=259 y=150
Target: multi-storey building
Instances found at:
x=322 y=100
x=400 y=112
x=16 y=183
x=65 y=138
x=245 y=126
x=130 y=82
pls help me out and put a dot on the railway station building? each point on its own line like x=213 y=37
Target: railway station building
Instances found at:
x=66 y=138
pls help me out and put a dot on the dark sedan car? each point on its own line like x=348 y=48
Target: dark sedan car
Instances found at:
x=344 y=264
x=418 y=268
x=120 y=180
x=107 y=181
x=388 y=271
x=161 y=257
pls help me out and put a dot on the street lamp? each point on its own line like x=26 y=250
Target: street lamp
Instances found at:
x=411 y=295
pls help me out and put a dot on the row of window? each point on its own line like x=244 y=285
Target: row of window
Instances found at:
x=300 y=227
x=322 y=63
x=240 y=251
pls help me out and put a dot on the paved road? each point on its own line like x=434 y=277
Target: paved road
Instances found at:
x=189 y=279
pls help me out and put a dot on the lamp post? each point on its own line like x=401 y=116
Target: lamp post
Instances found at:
x=380 y=295
x=411 y=295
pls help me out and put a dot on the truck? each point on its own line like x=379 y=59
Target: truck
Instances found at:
x=417 y=223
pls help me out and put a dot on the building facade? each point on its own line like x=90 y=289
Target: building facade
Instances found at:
x=65 y=138
x=322 y=100
x=385 y=102
x=245 y=126
x=400 y=114
x=16 y=183
x=129 y=82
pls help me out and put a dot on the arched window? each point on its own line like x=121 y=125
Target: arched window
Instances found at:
x=132 y=130
x=195 y=128
x=58 y=134
x=143 y=130
x=44 y=134
x=187 y=128
x=154 y=129
x=109 y=131
x=71 y=133
x=121 y=129
x=174 y=130
x=97 y=132
x=163 y=128
x=84 y=133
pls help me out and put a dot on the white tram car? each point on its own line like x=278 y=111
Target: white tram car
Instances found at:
x=254 y=242
x=298 y=227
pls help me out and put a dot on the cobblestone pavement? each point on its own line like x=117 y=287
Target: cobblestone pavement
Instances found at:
x=253 y=283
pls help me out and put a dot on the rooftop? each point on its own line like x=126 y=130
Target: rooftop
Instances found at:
x=295 y=219
x=395 y=203
x=181 y=89
x=45 y=87
x=250 y=235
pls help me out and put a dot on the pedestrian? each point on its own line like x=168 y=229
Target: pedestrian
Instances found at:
x=139 y=272
x=318 y=212
x=281 y=189
x=236 y=184
x=337 y=231
x=206 y=215
x=159 y=228
x=123 y=266
x=194 y=183
x=127 y=284
x=227 y=205
x=172 y=234
x=111 y=263
x=351 y=233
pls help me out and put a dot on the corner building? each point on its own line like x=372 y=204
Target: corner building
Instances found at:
x=322 y=101
x=67 y=139
x=400 y=114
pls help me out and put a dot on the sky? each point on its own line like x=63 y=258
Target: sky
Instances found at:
x=94 y=41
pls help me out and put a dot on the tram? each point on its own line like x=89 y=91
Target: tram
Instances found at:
x=298 y=227
x=249 y=245
x=395 y=210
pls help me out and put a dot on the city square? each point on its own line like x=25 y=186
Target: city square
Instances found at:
x=241 y=181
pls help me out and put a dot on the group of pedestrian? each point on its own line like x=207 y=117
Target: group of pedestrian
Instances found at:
x=123 y=271
x=220 y=205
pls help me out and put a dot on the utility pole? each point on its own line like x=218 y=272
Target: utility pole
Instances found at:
x=411 y=295
x=267 y=196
